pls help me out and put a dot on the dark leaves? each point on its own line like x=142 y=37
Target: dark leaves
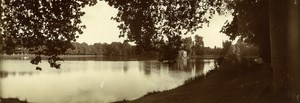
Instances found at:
x=53 y=61
x=36 y=60
x=48 y=26
x=149 y=22
x=251 y=23
x=45 y=27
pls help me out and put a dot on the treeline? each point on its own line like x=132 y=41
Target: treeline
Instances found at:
x=193 y=48
x=105 y=49
x=196 y=47
x=238 y=51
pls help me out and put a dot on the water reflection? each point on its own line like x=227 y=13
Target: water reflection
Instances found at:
x=94 y=81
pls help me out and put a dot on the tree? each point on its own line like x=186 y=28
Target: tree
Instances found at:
x=148 y=23
x=45 y=27
x=247 y=49
x=187 y=44
x=271 y=24
x=105 y=48
x=1 y=42
x=284 y=24
x=199 y=45
x=169 y=50
x=99 y=48
x=251 y=23
x=225 y=49
x=126 y=48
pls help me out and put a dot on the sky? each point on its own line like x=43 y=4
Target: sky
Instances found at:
x=100 y=27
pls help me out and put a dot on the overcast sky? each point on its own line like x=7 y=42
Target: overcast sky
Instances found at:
x=100 y=28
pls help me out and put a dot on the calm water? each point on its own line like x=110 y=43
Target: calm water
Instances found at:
x=94 y=81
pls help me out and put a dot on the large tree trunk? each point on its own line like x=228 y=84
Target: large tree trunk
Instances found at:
x=294 y=50
x=278 y=37
x=284 y=36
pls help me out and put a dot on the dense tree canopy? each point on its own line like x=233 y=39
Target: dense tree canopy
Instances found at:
x=49 y=27
x=45 y=27
x=199 y=45
x=113 y=49
x=250 y=23
x=272 y=25
x=148 y=23
x=187 y=45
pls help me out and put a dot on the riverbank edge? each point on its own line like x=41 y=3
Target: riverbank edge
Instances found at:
x=30 y=56
x=231 y=83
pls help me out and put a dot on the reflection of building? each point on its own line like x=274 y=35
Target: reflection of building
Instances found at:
x=182 y=54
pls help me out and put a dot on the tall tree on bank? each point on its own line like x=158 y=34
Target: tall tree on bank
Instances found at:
x=274 y=26
x=151 y=24
x=275 y=20
x=45 y=27
x=284 y=36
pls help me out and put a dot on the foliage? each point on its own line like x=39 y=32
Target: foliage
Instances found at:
x=212 y=51
x=45 y=27
x=199 y=45
x=113 y=49
x=238 y=52
x=195 y=47
x=1 y=42
x=148 y=23
x=187 y=44
x=251 y=23
x=170 y=49
x=225 y=49
x=248 y=50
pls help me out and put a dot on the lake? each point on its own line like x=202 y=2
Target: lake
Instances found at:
x=94 y=81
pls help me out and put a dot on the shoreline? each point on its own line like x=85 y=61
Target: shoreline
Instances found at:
x=31 y=56
x=231 y=83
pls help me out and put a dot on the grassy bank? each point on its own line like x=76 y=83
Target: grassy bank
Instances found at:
x=231 y=83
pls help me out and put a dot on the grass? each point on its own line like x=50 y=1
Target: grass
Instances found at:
x=243 y=82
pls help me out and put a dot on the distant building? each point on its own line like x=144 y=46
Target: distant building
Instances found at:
x=182 y=54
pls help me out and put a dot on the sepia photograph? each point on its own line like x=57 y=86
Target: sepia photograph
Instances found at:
x=149 y=51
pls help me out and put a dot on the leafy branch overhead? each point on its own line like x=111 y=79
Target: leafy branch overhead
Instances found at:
x=45 y=27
